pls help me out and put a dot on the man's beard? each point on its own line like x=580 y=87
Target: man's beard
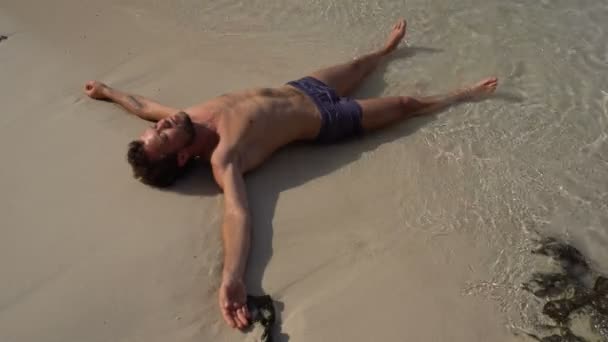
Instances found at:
x=186 y=125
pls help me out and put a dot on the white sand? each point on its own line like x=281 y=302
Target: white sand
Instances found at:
x=354 y=241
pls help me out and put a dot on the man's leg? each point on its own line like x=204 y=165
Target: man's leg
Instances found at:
x=381 y=112
x=135 y=104
x=345 y=78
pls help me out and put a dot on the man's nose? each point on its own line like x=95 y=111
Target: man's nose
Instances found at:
x=161 y=125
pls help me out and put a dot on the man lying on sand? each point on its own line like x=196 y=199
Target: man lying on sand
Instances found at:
x=237 y=132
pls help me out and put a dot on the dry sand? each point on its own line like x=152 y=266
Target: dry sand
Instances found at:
x=89 y=254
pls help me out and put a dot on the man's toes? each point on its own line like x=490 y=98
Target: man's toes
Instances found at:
x=488 y=81
x=490 y=84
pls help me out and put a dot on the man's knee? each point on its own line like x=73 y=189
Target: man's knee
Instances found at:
x=406 y=102
x=409 y=105
x=357 y=66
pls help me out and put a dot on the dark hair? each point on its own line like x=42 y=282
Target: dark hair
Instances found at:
x=159 y=173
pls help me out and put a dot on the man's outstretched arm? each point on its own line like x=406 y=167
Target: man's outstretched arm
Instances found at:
x=138 y=105
x=236 y=239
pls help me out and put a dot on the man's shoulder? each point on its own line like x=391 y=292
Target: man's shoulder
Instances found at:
x=222 y=156
x=222 y=159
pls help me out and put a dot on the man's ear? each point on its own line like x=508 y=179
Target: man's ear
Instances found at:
x=182 y=158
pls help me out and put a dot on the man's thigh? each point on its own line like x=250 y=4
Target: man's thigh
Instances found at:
x=381 y=112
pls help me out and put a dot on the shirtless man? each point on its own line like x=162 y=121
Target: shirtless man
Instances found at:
x=239 y=131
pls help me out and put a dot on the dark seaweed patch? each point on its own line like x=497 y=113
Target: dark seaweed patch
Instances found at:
x=262 y=312
x=567 y=292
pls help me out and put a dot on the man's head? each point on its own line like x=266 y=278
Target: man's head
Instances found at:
x=160 y=155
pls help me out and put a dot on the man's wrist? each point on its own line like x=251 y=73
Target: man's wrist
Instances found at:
x=231 y=276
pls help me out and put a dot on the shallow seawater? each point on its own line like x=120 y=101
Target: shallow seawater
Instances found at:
x=532 y=160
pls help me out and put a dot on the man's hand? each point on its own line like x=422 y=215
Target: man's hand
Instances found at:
x=96 y=90
x=233 y=303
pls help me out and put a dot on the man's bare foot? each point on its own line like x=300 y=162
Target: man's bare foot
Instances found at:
x=96 y=90
x=395 y=37
x=482 y=88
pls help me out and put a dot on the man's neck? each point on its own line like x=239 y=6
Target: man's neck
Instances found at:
x=205 y=141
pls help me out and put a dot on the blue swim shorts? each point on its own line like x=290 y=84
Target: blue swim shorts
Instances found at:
x=341 y=116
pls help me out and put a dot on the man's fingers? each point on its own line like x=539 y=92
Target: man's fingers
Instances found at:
x=239 y=324
x=238 y=319
x=246 y=311
x=241 y=317
x=228 y=318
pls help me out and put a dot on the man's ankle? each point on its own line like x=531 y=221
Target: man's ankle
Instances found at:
x=108 y=92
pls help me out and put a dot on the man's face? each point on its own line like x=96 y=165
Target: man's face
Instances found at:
x=168 y=136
